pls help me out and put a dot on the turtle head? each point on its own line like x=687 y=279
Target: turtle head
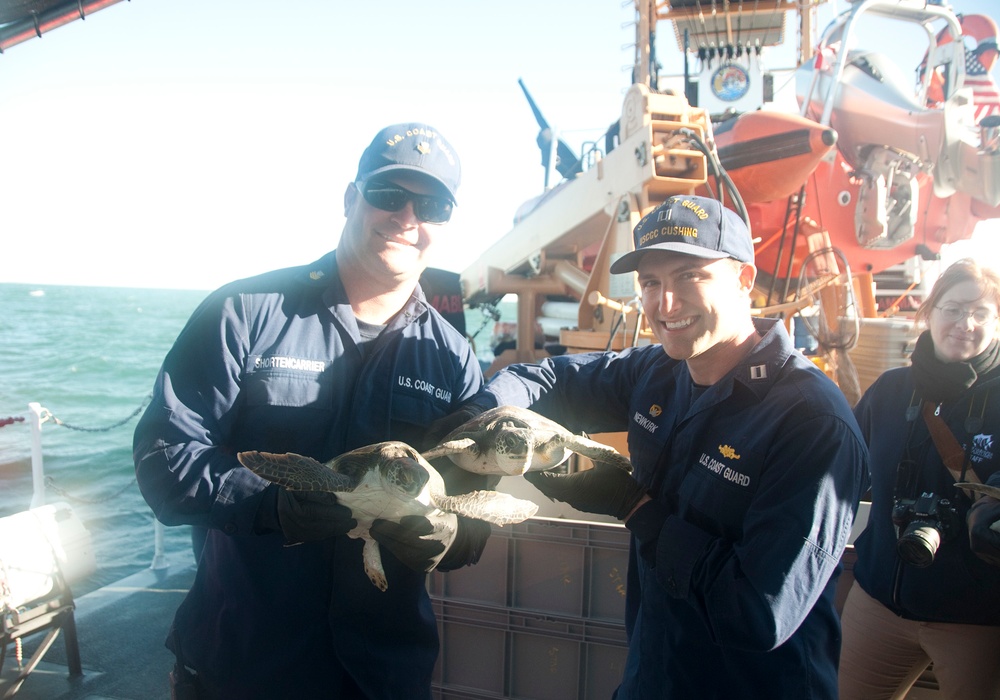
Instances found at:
x=514 y=449
x=403 y=468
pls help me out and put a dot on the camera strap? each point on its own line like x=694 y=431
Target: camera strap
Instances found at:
x=952 y=454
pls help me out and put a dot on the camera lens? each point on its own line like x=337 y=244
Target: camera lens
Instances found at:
x=919 y=544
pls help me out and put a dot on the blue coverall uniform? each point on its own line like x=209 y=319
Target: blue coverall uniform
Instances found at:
x=760 y=473
x=272 y=363
x=958 y=587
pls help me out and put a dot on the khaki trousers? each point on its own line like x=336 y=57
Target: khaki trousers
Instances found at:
x=883 y=654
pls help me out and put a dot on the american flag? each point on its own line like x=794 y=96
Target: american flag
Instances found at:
x=985 y=95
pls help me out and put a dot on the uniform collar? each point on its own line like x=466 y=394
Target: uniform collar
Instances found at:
x=324 y=275
x=321 y=273
x=416 y=307
x=759 y=369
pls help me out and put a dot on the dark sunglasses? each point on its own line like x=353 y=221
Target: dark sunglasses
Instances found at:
x=389 y=197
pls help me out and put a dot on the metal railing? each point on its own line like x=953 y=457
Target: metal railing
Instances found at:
x=37 y=415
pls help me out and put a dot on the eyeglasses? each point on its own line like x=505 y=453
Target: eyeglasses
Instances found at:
x=389 y=197
x=954 y=314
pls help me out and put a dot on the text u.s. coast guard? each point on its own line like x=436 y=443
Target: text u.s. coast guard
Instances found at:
x=723 y=470
x=425 y=386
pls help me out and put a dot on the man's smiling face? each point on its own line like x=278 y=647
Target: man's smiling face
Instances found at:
x=698 y=308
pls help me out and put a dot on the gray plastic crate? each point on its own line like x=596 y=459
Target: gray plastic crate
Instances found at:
x=489 y=652
x=562 y=567
x=540 y=617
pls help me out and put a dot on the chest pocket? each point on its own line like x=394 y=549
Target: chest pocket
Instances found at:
x=287 y=388
x=420 y=401
x=717 y=487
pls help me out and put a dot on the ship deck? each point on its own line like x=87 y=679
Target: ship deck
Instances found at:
x=121 y=628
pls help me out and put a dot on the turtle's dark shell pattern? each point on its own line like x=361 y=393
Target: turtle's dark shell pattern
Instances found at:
x=387 y=480
x=510 y=440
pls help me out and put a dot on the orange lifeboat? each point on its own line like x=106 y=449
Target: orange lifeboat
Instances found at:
x=769 y=155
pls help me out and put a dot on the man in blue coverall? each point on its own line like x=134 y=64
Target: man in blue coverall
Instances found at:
x=747 y=471
x=318 y=360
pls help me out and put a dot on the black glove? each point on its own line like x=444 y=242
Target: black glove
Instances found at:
x=416 y=540
x=468 y=546
x=303 y=516
x=437 y=430
x=605 y=489
x=984 y=529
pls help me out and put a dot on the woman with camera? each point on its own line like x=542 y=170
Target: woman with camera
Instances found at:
x=927 y=577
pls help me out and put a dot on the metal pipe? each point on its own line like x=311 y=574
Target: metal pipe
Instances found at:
x=159 y=548
x=37 y=24
x=37 y=465
x=572 y=276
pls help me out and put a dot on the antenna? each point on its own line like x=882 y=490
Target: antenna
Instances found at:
x=566 y=162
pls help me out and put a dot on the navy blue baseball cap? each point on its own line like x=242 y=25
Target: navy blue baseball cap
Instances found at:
x=412 y=147
x=691 y=225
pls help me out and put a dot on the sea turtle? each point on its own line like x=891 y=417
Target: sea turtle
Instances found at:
x=510 y=440
x=387 y=480
x=986 y=490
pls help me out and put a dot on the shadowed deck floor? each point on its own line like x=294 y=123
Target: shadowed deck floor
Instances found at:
x=121 y=628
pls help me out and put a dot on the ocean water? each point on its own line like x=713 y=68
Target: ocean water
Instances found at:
x=89 y=356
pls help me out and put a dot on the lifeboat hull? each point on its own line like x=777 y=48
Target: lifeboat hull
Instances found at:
x=769 y=155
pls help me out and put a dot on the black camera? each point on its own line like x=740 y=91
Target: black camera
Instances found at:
x=922 y=525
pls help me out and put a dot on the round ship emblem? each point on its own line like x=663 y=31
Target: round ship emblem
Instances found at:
x=730 y=82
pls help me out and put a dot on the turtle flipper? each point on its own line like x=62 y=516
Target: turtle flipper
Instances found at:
x=492 y=506
x=599 y=452
x=372 y=557
x=294 y=472
x=449 y=448
x=984 y=489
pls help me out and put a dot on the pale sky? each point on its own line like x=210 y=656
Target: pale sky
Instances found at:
x=186 y=143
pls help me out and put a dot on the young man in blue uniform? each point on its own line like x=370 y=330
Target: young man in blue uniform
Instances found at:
x=747 y=471
x=318 y=360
